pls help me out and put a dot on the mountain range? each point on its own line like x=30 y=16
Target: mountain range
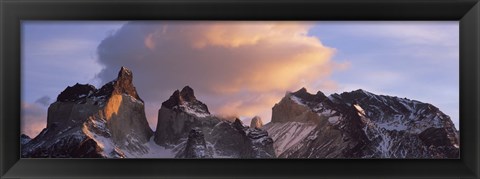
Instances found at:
x=110 y=122
x=360 y=124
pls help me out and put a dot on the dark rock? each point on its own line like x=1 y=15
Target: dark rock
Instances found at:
x=187 y=94
x=75 y=92
x=185 y=97
x=435 y=136
x=303 y=94
x=196 y=145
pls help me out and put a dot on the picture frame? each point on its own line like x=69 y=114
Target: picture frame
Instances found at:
x=467 y=12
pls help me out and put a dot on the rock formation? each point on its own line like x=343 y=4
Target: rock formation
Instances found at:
x=196 y=146
x=90 y=122
x=110 y=122
x=182 y=118
x=360 y=124
x=256 y=122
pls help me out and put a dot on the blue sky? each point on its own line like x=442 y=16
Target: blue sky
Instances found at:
x=417 y=60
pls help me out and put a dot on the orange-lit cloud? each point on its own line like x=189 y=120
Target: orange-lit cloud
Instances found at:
x=234 y=67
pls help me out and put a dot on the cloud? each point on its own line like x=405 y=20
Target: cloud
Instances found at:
x=34 y=118
x=235 y=67
x=44 y=100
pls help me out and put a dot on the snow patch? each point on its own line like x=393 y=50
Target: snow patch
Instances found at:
x=297 y=100
x=334 y=119
x=393 y=126
x=189 y=108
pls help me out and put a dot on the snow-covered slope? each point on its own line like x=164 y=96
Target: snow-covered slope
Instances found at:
x=360 y=124
x=288 y=134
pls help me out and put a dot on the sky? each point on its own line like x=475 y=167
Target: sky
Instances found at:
x=240 y=68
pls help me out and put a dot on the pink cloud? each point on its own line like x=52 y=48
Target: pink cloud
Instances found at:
x=34 y=119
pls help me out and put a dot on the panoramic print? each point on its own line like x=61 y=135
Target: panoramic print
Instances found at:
x=240 y=89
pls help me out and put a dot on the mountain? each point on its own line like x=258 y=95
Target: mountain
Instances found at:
x=110 y=122
x=186 y=126
x=86 y=122
x=360 y=124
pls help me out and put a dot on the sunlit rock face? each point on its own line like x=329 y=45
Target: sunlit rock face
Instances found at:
x=90 y=122
x=182 y=113
x=360 y=124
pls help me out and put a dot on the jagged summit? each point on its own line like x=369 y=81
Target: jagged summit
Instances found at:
x=122 y=85
x=188 y=94
x=361 y=125
x=125 y=72
x=308 y=97
x=185 y=125
x=89 y=122
x=174 y=100
x=76 y=92
x=302 y=90
x=185 y=98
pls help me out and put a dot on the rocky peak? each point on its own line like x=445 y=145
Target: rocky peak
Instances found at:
x=238 y=124
x=124 y=83
x=256 y=122
x=361 y=91
x=187 y=94
x=75 y=92
x=125 y=73
x=174 y=100
x=301 y=91
x=186 y=97
x=306 y=96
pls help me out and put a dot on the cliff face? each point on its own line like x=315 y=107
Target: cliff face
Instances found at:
x=90 y=122
x=183 y=121
x=360 y=124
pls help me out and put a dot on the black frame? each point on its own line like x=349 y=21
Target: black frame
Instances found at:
x=14 y=11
